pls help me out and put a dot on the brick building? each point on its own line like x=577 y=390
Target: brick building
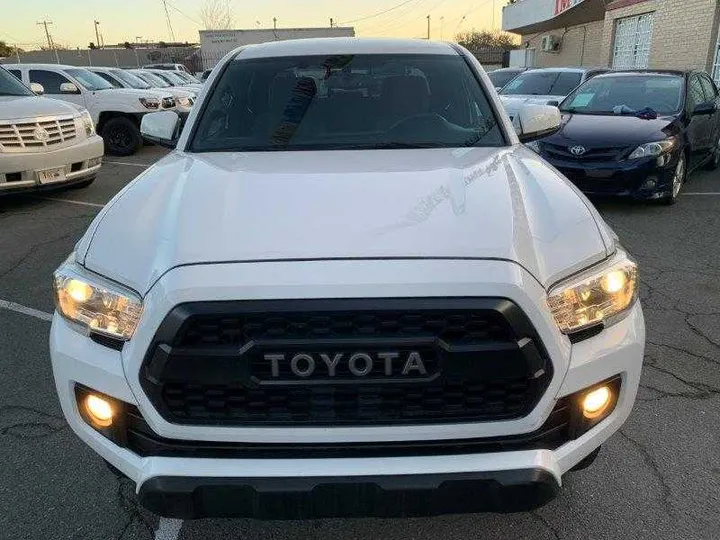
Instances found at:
x=661 y=34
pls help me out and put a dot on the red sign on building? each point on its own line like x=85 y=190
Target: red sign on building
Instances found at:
x=563 y=5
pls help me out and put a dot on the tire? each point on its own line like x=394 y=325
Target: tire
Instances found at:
x=83 y=184
x=679 y=178
x=589 y=460
x=122 y=137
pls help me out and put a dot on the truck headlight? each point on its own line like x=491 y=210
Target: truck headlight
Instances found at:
x=87 y=123
x=150 y=103
x=653 y=149
x=96 y=304
x=599 y=296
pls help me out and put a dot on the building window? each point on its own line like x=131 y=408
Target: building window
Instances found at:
x=716 y=66
x=633 y=37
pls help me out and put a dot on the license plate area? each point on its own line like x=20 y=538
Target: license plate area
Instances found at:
x=50 y=176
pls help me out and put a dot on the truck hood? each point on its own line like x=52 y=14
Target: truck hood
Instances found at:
x=499 y=203
x=20 y=107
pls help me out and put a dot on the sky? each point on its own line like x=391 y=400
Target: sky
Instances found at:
x=130 y=20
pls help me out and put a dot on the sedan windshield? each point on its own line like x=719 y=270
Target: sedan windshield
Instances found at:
x=501 y=77
x=10 y=86
x=131 y=80
x=543 y=83
x=627 y=94
x=347 y=102
x=89 y=80
x=171 y=78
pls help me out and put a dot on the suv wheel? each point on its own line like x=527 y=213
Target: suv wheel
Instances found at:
x=121 y=136
x=678 y=180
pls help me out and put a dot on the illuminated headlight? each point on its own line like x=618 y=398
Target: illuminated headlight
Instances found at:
x=184 y=101
x=653 y=149
x=599 y=296
x=87 y=123
x=95 y=304
x=150 y=103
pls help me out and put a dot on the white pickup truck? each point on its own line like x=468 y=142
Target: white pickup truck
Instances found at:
x=44 y=142
x=116 y=112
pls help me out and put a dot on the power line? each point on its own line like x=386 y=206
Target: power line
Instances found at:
x=392 y=22
x=401 y=4
x=167 y=18
x=404 y=24
x=181 y=12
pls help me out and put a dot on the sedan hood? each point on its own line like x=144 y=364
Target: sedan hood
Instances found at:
x=513 y=103
x=499 y=203
x=611 y=130
x=21 y=107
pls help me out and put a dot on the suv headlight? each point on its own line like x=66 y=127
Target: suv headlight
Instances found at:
x=184 y=101
x=150 y=103
x=597 y=296
x=87 y=123
x=96 y=304
x=653 y=149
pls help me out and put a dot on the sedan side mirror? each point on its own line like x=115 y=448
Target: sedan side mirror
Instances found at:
x=37 y=88
x=705 y=108
x=537 y=121
x=161 y=128
x=553 y=103
x=69 y=88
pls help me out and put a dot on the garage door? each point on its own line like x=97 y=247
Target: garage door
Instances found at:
x=633 y=37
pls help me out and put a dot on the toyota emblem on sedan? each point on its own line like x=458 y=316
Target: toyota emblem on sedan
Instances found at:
x=577 y=150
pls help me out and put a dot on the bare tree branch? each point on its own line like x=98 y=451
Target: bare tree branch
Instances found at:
x=217 y=15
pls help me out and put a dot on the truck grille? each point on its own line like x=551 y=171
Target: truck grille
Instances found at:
x=481 y=361
x=36 y=135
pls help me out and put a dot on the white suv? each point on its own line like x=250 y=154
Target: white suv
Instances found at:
x=116 y=112
x=44 y=142
x=350 y=290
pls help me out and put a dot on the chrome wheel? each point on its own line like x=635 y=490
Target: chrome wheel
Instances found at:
x=679 y=177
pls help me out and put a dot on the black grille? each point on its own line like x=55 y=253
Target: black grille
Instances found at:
x=483 y=360
x=616 y=183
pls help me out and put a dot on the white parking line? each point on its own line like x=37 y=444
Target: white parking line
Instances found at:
x=168 y=529
x=32 y=312
x=131 y=164
x=70 y=201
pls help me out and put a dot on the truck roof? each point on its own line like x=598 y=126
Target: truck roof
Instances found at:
x=318 y=46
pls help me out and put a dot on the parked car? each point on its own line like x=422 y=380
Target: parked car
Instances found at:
x=121 y=78
x=167 y=67
x=205 y=74
x=542 y=86
x=44 y=142
x=174 y=79
x=637 y=133
x=355 y=303
x=187 y=77
x=500 y=77
x=115 y=111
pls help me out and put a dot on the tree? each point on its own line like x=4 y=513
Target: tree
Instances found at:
x=8 y=50
x=217 y=15
x=475 y=39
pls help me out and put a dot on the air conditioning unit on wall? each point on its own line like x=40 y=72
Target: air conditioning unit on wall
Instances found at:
x=550 y=44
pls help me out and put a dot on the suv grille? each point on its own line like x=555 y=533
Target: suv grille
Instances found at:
x=36 y=135
x=168 y=103
x=481 y=361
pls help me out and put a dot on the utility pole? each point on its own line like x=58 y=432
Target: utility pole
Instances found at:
x=442 y=23
x=428 y=36
x=274 y=23
x=97 y=35
x=331 y=22
x=167 y=18
x=47 y=34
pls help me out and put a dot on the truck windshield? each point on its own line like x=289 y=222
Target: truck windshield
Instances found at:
x=89 y=80
x=10 y=86
x=627 y=94
x=130 y=79
x=347 y=102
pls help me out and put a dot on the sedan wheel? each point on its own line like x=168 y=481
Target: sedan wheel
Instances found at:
x=677 y=182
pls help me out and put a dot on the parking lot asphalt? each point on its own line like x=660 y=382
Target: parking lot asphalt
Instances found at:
x=658 y=478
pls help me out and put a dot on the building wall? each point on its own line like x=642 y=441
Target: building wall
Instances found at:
x=572 y=52
x=684 y=33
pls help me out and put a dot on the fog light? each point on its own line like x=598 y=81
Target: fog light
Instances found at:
x=650 y=183
x=595 y=403
x=99 y=410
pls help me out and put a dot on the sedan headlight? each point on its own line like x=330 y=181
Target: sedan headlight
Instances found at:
x=184 y=101
x=599 y=296
x=87 y=123
x=653 y=149
x=150 y=103
x=94 y=303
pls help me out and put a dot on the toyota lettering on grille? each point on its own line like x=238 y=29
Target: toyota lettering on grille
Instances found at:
x=356 y=365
